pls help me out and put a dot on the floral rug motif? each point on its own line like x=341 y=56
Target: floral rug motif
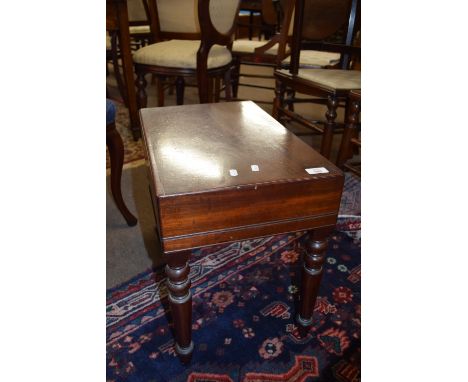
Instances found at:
x=244 y=298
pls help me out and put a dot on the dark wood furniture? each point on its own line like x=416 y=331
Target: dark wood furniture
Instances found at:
x=267 y=17
x=265 y=53
x=118 y=27
x=116 y=153
x=139 y=25
x=205 y=192
x=204 y=55
x=328 y=86
x=350 y=137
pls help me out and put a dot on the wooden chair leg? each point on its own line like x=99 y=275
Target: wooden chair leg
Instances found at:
x=142 y=98
x=349 y=132
x=117 y=74
x=327 y=139
x=160 y=87
x=291 y=95
x=116 y=153
x=278 y=102
x=228 y=85
x=235 y=76
x=205 y=91
x=211 y=82
x=217 y=87
x=180 y=87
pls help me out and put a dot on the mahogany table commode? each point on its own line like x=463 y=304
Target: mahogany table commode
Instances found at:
x=227 y=172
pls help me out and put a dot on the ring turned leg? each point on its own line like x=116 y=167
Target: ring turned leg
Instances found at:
x=235 y=76
x=180 y=298
x=142 y=98
x=327 y=140
x=160 y=86
x=278 y=102
x=180 y=87
x=312 y=274
x=349 y=132
x=227 y=85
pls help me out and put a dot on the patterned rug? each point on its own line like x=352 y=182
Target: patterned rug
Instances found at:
x=243 y=317
x=244 y=298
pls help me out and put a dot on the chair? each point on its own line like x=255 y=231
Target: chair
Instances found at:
x=139 y=24
x=206 y=58
x=350 y=137
x=333 y=85
x=265 y=53
x=116 y=153
x=324 y=24
x=265 y=12
x=117 y=26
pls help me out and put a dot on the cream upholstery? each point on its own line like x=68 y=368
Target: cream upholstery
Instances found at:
x=180 y=54
x=178 y=16
x=137 y=29
x=223 y=14
x=136 y=10
x=248 y=46
x=315 y=58
x=332 y=78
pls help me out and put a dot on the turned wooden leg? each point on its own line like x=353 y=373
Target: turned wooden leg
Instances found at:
x=116 y=153
x=291 y=95
x=180 y=87
x=217 y=87
x=228 y=85
x=236 y=76
x=160 y=86
x=211 y=85
x=327 y=140
x=349 y=132
x=278 y=102
x=140 y=82
x=180 y=298
x=312 y=274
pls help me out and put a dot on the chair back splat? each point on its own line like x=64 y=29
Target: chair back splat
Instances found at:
x=217 y=24
x=193 y=38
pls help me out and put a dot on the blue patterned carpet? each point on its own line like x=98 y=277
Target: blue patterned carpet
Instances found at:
x=244 y=297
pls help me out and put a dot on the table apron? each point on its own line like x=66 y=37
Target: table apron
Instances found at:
x=203 y=239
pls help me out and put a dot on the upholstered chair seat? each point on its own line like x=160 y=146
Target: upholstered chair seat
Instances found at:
x=334 y=79
x=249 y=46
x=180 y=54
x=314 y=59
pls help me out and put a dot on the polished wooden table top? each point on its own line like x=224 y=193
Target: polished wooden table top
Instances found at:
x=202 y=162
x=195 y=147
